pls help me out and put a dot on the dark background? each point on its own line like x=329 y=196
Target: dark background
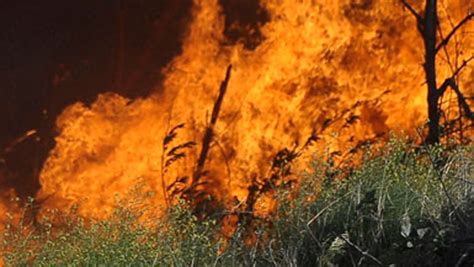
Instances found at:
x=56 y=52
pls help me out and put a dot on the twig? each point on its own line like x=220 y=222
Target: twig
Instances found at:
x=271 y=252
x=313 y=236
x=226 y=160
x=418 y=17
x=446 y=40
x=325 y=209
x=462 y=100
x=460 y=68
x=450 y=82
x=321 y=212
x=206 y=141
x=465 y=180
x=461 y=259
x=363 y=253
x=445 y=50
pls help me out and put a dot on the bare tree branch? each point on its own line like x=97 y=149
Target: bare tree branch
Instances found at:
x=461 y=99
x=463 y=65
x=446 y=40
x=445 y=50
x=419 y=18
x=456 y=72
x=412 y=10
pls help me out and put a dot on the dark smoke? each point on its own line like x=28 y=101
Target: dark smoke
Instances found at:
x=243 y=19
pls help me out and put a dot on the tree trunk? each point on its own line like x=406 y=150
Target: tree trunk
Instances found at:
x=429 y=38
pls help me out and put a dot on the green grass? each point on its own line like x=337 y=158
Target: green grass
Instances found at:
x=404 y=205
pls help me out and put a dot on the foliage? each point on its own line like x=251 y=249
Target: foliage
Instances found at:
x=404 y=205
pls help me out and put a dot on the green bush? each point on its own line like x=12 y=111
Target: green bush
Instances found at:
x=179 y=239
x=404 y=205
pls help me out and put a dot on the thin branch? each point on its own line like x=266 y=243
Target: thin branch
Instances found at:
x=463 y=65
x=456 y=72
x=325 y=209
x=207 y=139
x=461 y=99
x=450 y=82
x=462 y=258
x=418 y=17
x=445 y=50
x=226 y=159
x=446 y=40
x=420 y=21
x=363 y=253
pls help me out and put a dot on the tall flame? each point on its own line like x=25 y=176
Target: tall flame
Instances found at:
x=317 y=60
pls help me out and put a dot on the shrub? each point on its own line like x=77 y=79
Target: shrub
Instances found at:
x=404 y=205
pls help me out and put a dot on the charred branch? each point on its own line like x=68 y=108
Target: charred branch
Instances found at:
x=450 y=82
x=207 y=139
x=446 y=83
x=419 y=18
x=428 y=25
x=446 y=40
x=463 y=65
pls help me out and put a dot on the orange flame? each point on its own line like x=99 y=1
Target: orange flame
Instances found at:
x=358 y=61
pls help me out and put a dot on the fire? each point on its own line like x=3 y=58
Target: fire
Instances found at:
x=343 y=70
